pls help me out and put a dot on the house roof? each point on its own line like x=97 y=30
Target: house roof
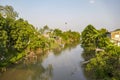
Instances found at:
x=115 y=30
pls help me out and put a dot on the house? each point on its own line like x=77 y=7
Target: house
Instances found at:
x=46 y=35
x=115 y=37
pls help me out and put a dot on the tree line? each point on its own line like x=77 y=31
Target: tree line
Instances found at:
x=18 y=37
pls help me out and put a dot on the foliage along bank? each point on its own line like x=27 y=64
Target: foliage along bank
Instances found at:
x=18 y=37
x=102 y=65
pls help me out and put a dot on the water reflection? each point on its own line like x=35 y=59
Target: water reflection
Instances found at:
x=57 y=51
x=67 y=65
x=59 y=64
x=29 y=72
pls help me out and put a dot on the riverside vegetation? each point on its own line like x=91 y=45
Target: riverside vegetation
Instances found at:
x=104 y=64
x=18 y=37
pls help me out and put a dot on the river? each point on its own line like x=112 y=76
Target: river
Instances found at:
x=58 y=65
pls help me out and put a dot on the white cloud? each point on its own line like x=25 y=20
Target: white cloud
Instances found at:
x=92 y=1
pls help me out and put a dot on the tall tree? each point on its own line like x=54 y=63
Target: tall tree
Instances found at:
x=88 y=36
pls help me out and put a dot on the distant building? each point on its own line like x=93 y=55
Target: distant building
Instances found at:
x=115 y=37
x=46 y=35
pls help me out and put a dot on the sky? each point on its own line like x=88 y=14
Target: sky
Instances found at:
x=68 y=14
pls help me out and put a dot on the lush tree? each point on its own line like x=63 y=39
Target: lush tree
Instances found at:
x=102 y=41
x=106 y=65
x=46 y=27
x=71 y=36
x=103 y=65
x=18 y=37
x=8 y=11
x=57 y=32
x=88 y=36
x=15 y=36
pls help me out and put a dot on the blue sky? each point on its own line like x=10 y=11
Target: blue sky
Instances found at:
x=76 y=13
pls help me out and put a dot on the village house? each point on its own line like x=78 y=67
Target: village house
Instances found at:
x=46 y=35
x=115 y=37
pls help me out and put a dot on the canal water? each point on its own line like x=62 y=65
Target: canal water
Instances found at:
x=56 y=65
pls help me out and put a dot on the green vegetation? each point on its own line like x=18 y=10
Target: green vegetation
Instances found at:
x=102 y=65
x=8 y=11
x=18 y=37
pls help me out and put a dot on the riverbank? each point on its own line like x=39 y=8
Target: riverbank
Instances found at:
x=37 y=52
x=19 y=39
x=102 y=55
